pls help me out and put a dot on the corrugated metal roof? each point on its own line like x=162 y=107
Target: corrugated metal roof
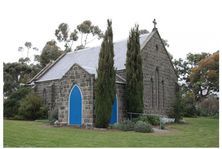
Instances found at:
x=88 y=59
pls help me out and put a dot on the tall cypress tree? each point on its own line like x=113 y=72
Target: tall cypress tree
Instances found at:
x=105 y=83
x=134 y=74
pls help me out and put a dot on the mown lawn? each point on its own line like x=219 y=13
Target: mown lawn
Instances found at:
x=198 y=132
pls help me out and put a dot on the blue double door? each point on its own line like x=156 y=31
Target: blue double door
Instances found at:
x=75 y=108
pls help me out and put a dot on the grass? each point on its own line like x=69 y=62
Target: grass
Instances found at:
x=198 y=132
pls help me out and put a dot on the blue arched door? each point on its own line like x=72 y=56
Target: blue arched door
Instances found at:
x=75 y=106
x=114 y=116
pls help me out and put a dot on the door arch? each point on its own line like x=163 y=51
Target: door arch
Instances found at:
x=75 y=106
x=114 y=116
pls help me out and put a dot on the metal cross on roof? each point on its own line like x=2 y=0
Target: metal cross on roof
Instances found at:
x=154 y=22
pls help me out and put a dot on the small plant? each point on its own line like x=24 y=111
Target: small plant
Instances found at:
x=126 y=125
x=141 y=126
x=151 y=119
x=162 y=124
x=53 y=116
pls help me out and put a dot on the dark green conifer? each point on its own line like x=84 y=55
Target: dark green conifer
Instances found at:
x=134 y=74
x=105 y=83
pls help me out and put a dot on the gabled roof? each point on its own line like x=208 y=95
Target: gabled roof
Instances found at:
x=45 y=69
x=87 y=59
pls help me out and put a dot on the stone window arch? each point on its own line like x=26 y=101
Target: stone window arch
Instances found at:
x=152 y=92
x=163 y=90
x=157 y=47
x=157 y=84
x=44 y=95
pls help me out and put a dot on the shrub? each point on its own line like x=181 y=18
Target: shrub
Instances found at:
x=190 y=109
x=151 y=119
x=141 y=126
x=126 y=125
x=176 y=111
x=216 y=116
x=53 y=116
x=31 y=107
x=11 y=105
x=162 y=126
x=209 y=107
x=43 y=112
x=10 y=108
x=20 y=93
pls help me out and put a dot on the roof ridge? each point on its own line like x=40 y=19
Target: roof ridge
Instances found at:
x=118 y=41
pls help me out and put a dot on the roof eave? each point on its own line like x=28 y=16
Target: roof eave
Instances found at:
x=45 y=69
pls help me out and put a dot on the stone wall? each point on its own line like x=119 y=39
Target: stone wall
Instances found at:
x=77 y=75
x=49 y=92
x=55 y=94
x=159 y=77
x=159 y=86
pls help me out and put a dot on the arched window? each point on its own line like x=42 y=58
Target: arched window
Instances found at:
x=163 y=90
x=157 y=48
x=152 y=99
x=44 y=96
x=157 y=86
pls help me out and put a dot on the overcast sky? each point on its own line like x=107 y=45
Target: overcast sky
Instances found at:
x=188 y=25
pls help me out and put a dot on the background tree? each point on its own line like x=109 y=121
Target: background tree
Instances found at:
x=63 y=35
x=134 y=75
x=15 y=75
x=204 y=78
x=143 y=31
x=11 y=105
x=184 y=67
x=198 y=78
x=28 y=46
x=50 y=52
x=85 y=29
x=105 y=83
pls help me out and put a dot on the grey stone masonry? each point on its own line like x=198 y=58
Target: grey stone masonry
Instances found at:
x=159 y=81
x=48 y=91
x=159 y=77
x=76 y=76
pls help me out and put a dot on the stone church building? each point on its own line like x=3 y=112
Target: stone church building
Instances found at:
x=68 y=83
